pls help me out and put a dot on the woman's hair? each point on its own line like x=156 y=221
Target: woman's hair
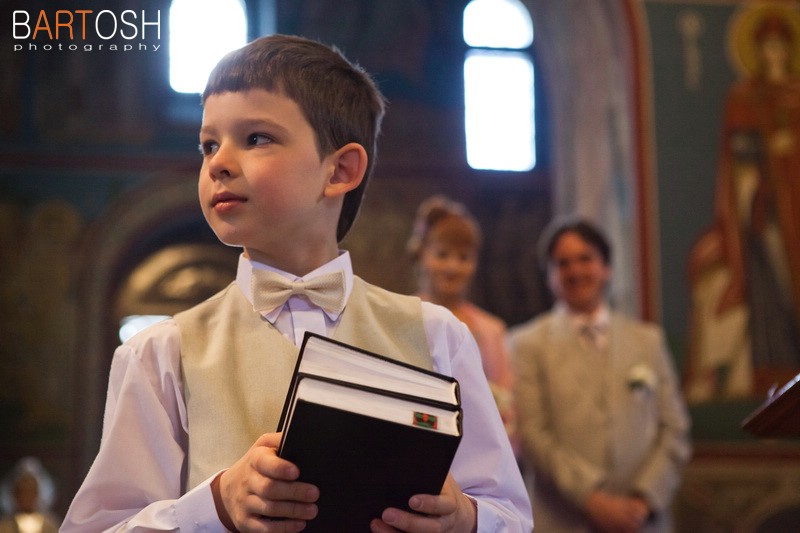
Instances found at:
x=444 y=219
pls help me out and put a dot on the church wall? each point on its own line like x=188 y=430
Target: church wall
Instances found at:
x=736 y=482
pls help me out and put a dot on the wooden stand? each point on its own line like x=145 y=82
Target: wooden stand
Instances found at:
x=779 y=416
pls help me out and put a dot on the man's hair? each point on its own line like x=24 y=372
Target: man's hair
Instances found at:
x=338 y=98
x=579 y=226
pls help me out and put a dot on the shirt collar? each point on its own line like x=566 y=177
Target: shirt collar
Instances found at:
x=600 y=318
x=246 y=266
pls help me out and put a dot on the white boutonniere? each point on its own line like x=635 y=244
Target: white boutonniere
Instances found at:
x=641 y=376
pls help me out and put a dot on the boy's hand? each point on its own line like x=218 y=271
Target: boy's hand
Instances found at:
x=449 y=511
x=261 y=487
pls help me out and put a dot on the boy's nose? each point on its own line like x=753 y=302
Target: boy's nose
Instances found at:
x=223 y=164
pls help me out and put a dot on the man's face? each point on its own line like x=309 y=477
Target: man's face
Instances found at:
x=577 y=274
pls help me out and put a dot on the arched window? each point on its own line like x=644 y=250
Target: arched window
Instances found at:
x=498 y=86
x=200 y=33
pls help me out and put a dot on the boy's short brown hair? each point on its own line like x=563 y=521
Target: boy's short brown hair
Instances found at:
x=338 y=98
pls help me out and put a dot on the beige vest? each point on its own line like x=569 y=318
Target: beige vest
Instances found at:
x=237 y=366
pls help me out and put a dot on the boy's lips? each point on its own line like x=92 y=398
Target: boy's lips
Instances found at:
x=226 y=200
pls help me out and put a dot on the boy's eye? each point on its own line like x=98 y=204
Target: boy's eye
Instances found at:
x=255 y=139
x=208 y=147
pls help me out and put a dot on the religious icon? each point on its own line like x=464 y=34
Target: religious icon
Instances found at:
x=744 y=271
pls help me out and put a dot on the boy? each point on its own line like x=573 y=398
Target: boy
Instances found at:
x=603 y=427
x=288 y=138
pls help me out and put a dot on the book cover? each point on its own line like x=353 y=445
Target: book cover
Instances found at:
x=362 y=464
x=365 y=447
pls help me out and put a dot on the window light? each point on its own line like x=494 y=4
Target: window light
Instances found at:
x=499 y=110
x=200 y=33
x=498 y=86
x=497 y=24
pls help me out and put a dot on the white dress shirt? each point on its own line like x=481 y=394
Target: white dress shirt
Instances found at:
x=136 y=479
x=592 y=327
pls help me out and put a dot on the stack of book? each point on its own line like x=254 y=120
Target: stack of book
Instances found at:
x=367 y=430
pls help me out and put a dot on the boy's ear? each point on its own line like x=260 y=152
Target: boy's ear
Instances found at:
x=349 y=165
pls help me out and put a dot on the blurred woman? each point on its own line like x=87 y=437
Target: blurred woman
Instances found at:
x=444 y=246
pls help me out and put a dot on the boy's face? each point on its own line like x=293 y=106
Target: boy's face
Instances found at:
x=262 y=184
x=577 y=273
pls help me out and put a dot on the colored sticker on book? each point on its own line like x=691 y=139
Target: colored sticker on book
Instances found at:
x=425 y=420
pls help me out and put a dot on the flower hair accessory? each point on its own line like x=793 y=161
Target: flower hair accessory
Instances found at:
x=641 y=376
x=439 y=209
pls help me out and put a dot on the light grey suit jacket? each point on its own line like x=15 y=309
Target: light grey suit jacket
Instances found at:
x=588 y=420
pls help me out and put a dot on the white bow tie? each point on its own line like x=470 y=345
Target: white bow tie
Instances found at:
x=271 y=290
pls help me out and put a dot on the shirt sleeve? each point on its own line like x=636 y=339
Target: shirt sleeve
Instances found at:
x=136 y=483
x=484 y=465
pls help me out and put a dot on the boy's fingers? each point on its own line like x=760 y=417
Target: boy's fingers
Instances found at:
x=405 y=521
x=271 y=489
x=438 y=505
x=259 y=507
x=291 y=510
x=260 y=523
x=272 y=440
x=432 y=505
x=379 y=526
x=267 y=463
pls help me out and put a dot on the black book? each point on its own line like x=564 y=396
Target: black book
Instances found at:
x=369 y=431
